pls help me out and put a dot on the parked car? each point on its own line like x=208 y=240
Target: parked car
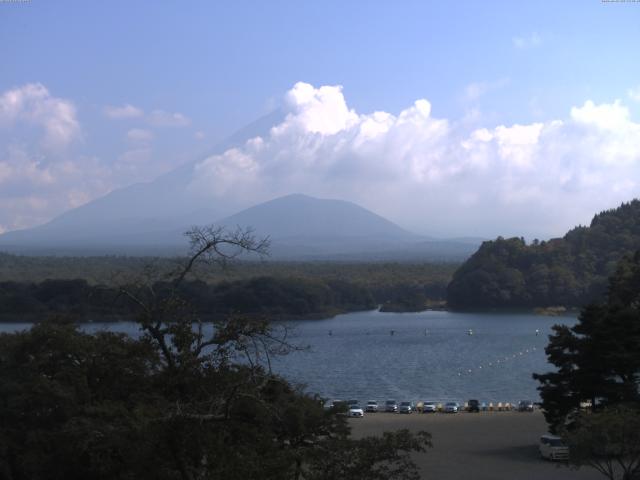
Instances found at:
x=406 y=407
x=473 y=406
x=372 y=406
x=451 y=407
x=391 y=406
x=355 y=411
x=353 y=402
x=429 y=407
x=525 y=406
x=553 y=448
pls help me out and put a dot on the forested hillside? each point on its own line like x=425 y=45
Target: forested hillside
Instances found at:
x=33 y=287
x=570 y=271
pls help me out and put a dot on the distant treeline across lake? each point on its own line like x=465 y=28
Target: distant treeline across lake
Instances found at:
x=33 y=288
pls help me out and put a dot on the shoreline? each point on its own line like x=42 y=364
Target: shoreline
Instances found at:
x=6 y=318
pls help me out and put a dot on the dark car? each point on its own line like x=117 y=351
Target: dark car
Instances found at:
x=525 y=406
x=391 y=406
x=473 y=406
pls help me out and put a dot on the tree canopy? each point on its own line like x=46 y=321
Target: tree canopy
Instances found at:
x=571 y=271
x=598 y=359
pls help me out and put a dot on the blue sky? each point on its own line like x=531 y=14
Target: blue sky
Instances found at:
x=194 y=72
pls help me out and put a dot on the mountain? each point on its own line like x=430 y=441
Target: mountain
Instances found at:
x=141 y=218
x=150 y=218
x=571 y=271
x=300 y=227
x=306 y=228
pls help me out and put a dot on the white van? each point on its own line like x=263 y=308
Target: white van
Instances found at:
x=553 y=448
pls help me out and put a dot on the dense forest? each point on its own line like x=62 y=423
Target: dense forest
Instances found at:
x=32 y=288
x=571 y=271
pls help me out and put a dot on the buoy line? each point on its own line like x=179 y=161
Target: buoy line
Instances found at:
x=499 y=362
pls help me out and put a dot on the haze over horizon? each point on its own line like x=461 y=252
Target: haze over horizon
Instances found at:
x=482 y=121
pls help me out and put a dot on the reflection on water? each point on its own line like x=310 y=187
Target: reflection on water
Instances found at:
x=411 y=356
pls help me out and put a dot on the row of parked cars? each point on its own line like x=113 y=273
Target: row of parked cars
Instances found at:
x=353 y=409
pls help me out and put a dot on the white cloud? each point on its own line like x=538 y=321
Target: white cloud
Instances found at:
x=41 y=173
x=32 y=104
x=433 y=173
x=156 y=118
x=634 y=93
x=612 y=116
x=140 y=135
x=527 y=41
x=160 y=118
x=124 y=111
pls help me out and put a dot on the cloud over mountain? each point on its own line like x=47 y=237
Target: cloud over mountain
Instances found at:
x=430 y=174
x=415 y=167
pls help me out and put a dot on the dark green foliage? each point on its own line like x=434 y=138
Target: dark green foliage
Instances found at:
x=570 y=271
x=405 y=285
x=104 y=406
x=370 y=458
x=598 y=359
x=175 y=403
x=608 y=441
x=275 y=289
x=276 y=297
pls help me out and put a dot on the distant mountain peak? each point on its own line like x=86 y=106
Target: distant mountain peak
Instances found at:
x=302 y=216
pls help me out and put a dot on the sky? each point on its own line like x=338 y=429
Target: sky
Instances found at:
x=449 y=118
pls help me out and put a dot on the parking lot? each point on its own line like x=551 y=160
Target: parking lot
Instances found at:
x=476 y=446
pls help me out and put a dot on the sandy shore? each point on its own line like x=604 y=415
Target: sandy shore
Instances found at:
x=477 y=446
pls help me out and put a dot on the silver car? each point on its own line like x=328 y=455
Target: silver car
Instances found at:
x=355 y=411
x=451 y=407
x=553 y=448
x=429 y=407
x=372 y=406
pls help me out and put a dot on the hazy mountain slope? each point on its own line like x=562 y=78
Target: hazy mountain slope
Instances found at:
x=303 y=227
x=150 y=218
x=569 y=271
x=303 y=217
x=149 y=214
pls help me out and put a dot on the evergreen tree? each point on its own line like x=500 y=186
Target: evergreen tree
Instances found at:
x=598 y=359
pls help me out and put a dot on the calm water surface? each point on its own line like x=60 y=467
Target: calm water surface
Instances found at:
x=429 y=356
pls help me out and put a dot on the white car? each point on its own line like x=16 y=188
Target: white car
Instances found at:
x=553 y=448
x=372 y=406
x=451 y=407
x=355 y=411
x=429 y=407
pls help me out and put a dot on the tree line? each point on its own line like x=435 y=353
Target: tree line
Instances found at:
x=571 y=271
x=278 y=290
x=597 y=364
x=274 y=297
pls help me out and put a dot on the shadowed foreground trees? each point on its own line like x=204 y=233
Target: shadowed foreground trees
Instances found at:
x=183 y=401
x=598 y=359
x=598 y=362
x=608 y=441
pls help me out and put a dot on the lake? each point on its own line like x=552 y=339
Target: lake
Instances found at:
x=429 y=356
